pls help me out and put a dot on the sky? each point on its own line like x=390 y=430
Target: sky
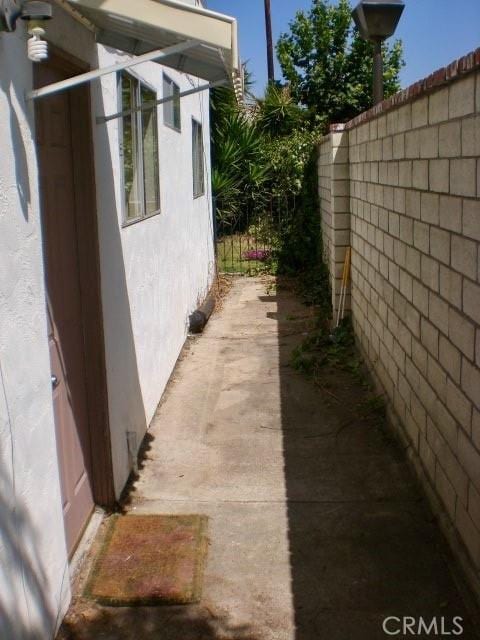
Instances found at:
x=434 y=32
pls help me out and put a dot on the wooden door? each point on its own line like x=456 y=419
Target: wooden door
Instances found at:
x=65 y=306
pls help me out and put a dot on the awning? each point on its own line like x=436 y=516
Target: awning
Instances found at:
x=142 y=26
x=185 y=37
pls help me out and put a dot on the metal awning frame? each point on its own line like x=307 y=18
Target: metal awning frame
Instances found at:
x=149 y=105
x=83 y=78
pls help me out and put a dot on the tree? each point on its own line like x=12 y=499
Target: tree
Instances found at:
x=329 y=66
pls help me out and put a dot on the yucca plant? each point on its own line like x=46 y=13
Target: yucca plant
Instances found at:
x=277 y=112
x=239 y=165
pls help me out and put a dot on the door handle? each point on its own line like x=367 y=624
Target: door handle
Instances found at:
x=55 y=382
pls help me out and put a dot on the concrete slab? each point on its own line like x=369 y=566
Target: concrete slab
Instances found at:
x=317 y=528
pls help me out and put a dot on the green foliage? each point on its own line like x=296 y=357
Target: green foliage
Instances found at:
x=329 y=66
x=277 y=113
x=264 y=165
x=314 y=288
x=374 y=405
x=323 y=348
x=300 y=236
x=288 y=157
x=239 y=168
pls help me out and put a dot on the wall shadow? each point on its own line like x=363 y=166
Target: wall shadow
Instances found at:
x=12 y=83
x=26 y=614
x=127 y=410
x=103 y=294
x=363 y=542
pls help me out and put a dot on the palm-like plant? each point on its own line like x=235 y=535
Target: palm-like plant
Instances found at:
x=239 y=167
x=277 y=112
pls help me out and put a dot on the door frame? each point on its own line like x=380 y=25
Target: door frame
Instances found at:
x=90 y=277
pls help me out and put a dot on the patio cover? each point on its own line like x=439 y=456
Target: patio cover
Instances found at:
x=142 y=26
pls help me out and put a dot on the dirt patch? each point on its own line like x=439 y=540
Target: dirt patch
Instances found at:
x=221 y=288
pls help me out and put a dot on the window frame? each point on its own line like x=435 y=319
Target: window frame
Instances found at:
x=166 y=79
x=202 y=193
x=139 y=148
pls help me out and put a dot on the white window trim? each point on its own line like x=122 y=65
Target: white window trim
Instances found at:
x=126 y=222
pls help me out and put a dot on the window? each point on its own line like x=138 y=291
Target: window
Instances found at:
x=139 y=150
x=171 y=109
x=198 y=160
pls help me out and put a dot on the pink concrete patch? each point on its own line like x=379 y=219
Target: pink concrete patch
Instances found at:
x=150 y=560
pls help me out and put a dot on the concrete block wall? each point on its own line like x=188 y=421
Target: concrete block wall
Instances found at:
x=324 y=193
x=414 y=168
x=334 y=193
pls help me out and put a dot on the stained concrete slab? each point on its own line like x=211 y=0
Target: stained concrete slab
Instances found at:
x=317 y=528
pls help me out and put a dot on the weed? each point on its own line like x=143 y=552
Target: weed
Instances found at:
x=374 y=405
x=271 y=288
x=336 y=349
x=323 y=351
x=314 y=288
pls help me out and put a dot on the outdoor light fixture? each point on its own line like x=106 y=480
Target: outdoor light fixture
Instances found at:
x=376 y=21
x=35 y=13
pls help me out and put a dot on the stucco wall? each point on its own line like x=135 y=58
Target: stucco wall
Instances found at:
x=34 y=586
x=153 y=274
x=155 y=271
x=415 y=237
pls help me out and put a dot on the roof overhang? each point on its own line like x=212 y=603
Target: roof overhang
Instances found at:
x=142 y=26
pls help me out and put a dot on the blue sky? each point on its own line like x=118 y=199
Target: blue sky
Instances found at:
x=434 y=32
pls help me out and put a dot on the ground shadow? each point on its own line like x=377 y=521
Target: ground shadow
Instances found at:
x=363 y=542
x=193 y=622
x=86 y=619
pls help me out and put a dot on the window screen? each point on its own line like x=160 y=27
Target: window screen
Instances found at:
x=198 y=160
x=139 y=149
x=171 y=109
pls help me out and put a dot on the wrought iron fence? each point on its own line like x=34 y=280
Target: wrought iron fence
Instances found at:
x=249 y=242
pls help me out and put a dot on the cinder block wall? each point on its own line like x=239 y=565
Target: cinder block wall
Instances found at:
x=325 y=196
x=334 y=192
x=414 y=206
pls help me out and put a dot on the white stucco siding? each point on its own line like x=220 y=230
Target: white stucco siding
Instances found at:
x=153 y=274
x=155 y=271
x=34 y=585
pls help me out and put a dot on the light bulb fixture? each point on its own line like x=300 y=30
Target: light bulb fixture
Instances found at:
x=36 y=14
x=37 y=49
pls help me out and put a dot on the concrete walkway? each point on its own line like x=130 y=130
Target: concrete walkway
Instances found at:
x=317 y=528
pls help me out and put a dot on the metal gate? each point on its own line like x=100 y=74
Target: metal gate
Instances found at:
x=249 y=243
